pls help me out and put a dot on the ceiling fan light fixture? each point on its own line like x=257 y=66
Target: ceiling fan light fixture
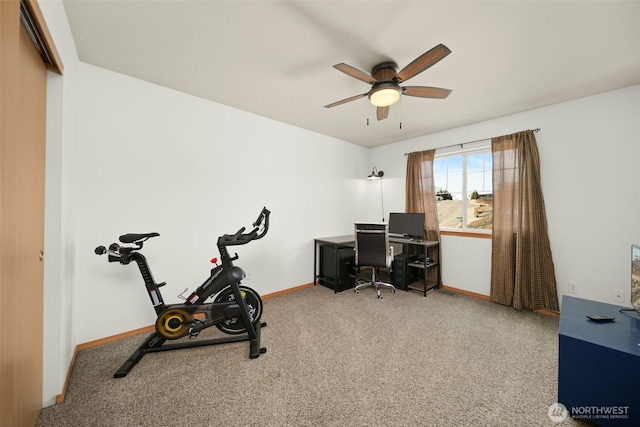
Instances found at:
x=385 y=94
x=385 y=81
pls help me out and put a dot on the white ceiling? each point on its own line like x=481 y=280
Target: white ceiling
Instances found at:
x=275 y=58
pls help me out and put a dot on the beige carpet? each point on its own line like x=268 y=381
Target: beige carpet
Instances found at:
x=335 y=360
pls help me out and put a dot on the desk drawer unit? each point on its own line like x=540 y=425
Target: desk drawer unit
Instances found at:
x=338 y=275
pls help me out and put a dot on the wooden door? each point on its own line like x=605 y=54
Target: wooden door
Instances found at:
x=23 y=78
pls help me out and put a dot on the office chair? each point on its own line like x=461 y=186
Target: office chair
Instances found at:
x=373 y=250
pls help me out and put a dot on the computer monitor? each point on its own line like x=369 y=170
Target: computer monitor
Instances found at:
x=407 y=224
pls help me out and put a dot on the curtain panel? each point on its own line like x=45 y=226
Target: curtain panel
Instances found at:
x=420 y=196
x=420 y=191
x=522 y=271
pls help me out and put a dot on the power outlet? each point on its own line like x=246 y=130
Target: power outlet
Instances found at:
x=573 y=287
x=618 y=295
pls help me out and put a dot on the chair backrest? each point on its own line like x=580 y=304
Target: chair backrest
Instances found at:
x=372 y=245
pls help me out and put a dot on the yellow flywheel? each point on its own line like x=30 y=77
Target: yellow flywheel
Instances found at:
x=173 y=323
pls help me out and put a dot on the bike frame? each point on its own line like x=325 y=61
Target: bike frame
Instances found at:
x=214 y=313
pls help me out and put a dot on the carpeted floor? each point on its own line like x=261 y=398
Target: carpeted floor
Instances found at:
x=335 y=360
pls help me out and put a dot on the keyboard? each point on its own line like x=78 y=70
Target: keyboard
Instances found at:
x=402 y=239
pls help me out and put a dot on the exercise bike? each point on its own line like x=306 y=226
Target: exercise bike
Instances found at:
x=220 y=301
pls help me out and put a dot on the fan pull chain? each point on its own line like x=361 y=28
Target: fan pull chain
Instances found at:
x=400 y=125
x=367 y=121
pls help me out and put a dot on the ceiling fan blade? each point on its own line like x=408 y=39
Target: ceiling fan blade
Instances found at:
x=344 y=101
x=426 y=92
x=355 y=73
x=423 y=62
x=382 y=113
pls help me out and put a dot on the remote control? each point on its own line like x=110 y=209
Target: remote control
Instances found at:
x=600 y=317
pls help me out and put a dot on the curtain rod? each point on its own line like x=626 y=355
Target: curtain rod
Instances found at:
x=463 y=143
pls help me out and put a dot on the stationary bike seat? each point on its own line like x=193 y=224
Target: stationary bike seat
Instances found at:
x=133 y=237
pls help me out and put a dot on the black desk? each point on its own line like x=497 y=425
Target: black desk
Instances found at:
x=430 y=249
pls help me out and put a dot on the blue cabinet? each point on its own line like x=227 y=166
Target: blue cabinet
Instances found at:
x=599 y=363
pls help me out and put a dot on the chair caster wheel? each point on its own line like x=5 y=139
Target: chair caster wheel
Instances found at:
x=263 y=324
x=263 y=350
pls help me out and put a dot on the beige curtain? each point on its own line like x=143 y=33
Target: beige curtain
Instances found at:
x=420 y=196
x=522 y=272
x=420 y=191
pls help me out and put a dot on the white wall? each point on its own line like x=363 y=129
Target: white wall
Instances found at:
x=153 y=159
x=590 y=157
x=61 y=206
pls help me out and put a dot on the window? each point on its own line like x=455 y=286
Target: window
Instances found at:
x=464 y=189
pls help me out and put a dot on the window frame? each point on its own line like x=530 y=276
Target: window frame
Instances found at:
x=465 y=150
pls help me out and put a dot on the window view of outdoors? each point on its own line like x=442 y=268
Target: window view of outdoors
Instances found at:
x=464 y=185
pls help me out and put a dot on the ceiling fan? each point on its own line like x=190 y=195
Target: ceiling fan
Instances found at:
x=385 y=81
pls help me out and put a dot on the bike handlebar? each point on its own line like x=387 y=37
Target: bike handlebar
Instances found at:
x=123 y=254
x=261 y=226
